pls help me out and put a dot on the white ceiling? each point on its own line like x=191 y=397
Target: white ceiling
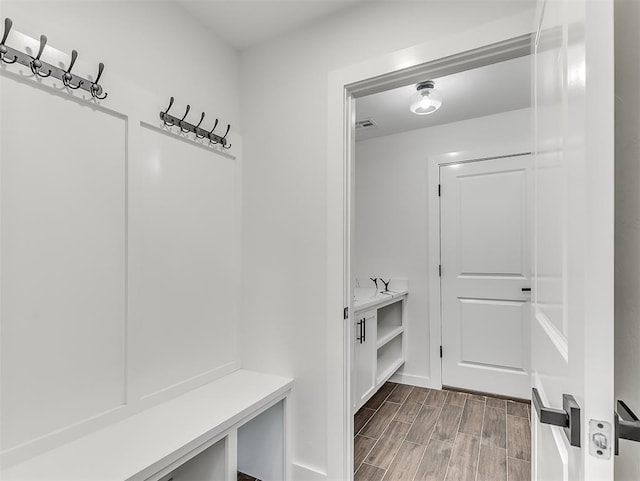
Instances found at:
x=474 y=93
x=245 y=23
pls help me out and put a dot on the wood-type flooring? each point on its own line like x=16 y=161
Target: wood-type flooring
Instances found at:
x=407 y=433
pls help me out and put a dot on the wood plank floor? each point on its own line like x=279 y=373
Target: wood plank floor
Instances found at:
x=246 y=477
x=407 y=433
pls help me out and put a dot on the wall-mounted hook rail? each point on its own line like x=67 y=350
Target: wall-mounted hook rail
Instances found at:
x=186 y=127
x=41 y=68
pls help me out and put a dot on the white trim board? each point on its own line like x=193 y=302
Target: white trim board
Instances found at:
x=412 y=380
x=457 y=52
x=300 y=472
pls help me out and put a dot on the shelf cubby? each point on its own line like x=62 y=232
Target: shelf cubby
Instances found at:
x=261 y=445
x=389 y=358
x=209 y=465
x=389 y=319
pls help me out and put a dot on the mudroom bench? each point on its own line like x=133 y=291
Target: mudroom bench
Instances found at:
x=236 y=423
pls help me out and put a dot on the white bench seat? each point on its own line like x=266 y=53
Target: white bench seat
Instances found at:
x=145 y=443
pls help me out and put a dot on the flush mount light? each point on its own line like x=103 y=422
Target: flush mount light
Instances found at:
x=426 y=100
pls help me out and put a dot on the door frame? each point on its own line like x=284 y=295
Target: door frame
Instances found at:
x=434 y=225
x=497 y=41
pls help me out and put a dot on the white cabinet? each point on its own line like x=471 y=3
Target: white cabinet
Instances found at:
x=379 y=346
x=365 y=336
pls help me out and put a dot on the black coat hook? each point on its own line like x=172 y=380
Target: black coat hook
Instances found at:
x=36 y=63
x=223 y=140
x=3 y=50
x=198 y=126
x=96 y=89
x=166 y=112
x=66 y=78
x=211 y=136
x=182 y=119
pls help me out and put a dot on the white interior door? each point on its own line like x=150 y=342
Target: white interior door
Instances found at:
x=572 y=326
x=486 y=264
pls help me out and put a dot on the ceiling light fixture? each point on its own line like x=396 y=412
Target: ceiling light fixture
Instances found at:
x=426 y=100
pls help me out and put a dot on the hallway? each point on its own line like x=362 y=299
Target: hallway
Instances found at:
x=407 y=433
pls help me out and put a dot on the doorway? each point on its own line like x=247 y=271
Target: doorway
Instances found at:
x=384 y=203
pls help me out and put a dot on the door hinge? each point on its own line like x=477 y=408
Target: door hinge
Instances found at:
x=346 y=313
x=439 y=190
x=440 y=351
x=439 y=270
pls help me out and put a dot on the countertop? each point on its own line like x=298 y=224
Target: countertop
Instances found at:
x=366 y=298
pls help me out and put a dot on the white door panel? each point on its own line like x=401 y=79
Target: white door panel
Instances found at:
x=481 y=250
x=485 y=265
x=481 y=319
x=572 y=325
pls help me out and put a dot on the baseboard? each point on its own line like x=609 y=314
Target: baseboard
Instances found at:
x=489 y=394
x=300 y=472
x=413 y=380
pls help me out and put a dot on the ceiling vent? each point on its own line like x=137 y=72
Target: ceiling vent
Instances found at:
x=365 y=124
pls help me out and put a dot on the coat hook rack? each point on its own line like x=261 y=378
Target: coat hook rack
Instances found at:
x=43 y=69
x=186 y=127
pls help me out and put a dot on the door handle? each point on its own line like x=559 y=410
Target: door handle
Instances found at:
x=359 y=338
x=627 y=424
x=526 y=289
x=364 y=330
x=567 y=418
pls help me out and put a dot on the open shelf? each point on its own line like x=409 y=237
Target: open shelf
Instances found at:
x=209 y=465
x=384 y=376
x=389 y=319
x=389 y=358
x=261 y=445
x=388 y=333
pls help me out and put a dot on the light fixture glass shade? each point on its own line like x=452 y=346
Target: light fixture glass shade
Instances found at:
x=425 y=101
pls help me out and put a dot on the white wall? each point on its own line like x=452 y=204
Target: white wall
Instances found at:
x=284 y=112
x=392 y=204
x=120 y=244
x=285 y=125
x=627 y=224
